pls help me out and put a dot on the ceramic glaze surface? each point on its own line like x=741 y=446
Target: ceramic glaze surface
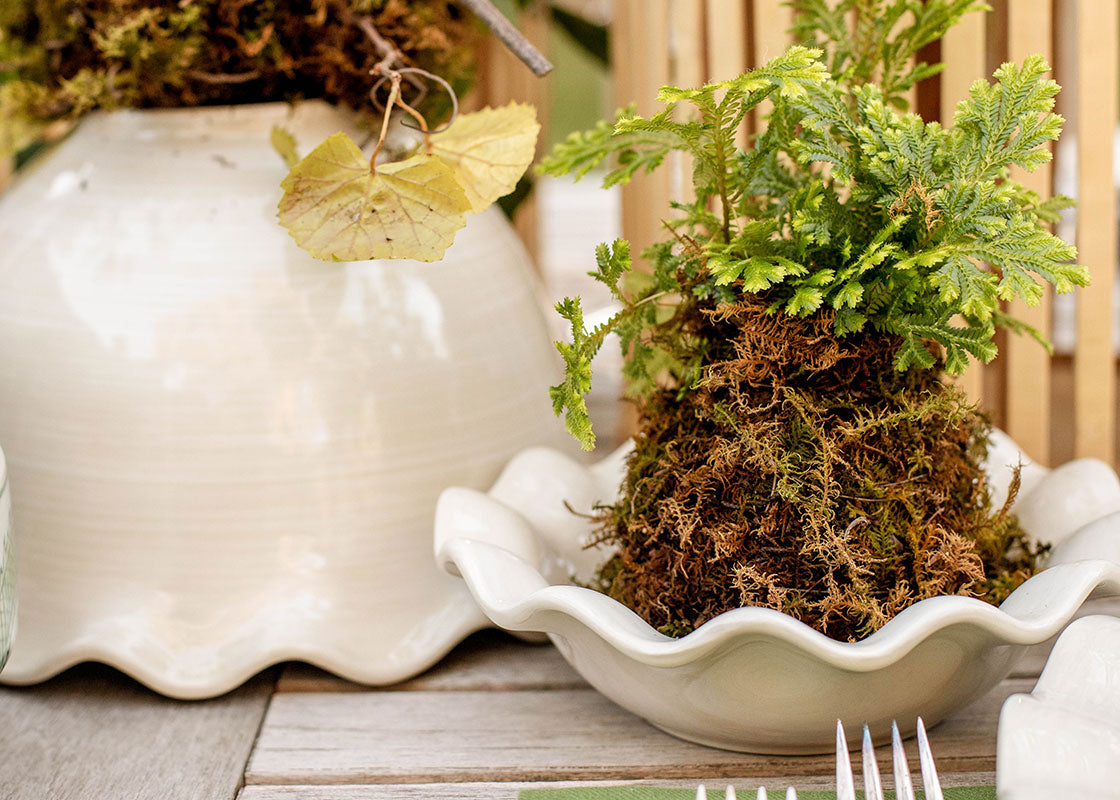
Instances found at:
x=227 y=453
x=7 y=567
x=1063 y=739
x=751 y=679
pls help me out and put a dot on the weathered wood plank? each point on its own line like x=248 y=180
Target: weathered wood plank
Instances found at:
x=92 y=733
x=487 y=661
x=726 y=22
x=1030 y=31
x=509 y=791
x=686 y=30
x=442 y=737
x=688 y=69
x=503 y=79
x=770 y=21
x=640 y=66
x=1094 y=360
x=963 y=52
x=727 y=38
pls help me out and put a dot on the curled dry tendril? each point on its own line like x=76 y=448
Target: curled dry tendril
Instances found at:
x=394 y=78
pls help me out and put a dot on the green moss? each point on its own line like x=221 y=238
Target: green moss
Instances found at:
x=69 y=56
x=804 y=474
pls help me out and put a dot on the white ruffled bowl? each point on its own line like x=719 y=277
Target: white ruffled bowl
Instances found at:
x=754 y=679
x=1063 y=739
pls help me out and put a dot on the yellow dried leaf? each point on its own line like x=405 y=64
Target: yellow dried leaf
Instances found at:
x=337 y=210
x=489 y=150
x=285 y=144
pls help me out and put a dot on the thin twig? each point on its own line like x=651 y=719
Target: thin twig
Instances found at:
x=446 y=87
x=390 y=55
x=217 y=77
x=509 y=36
x=417 y=116
x=852 y=525
x=394 y=95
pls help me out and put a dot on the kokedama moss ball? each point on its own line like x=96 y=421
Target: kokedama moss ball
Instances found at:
x=799 y=448
x=804 y=474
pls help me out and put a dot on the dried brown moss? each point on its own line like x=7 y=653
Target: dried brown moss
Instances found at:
x=807 y=475
x=144 y=53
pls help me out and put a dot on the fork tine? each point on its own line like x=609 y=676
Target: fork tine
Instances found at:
x=761 y=793
x=872 y=785
x=791 y=793
x=729 y=793
x=701 y=792
x=930 y=783
x=845 y=783
x=903 y=788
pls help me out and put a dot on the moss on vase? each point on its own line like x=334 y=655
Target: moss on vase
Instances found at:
x=61 y=58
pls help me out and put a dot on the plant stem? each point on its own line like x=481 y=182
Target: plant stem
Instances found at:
x=394 y=96
x=509 y=36
x=390 y=55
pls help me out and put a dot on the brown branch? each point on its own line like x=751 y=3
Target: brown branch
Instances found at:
x=509 y=36
x=390 y=55
x=215 y=77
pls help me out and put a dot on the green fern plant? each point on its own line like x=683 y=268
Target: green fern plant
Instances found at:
x=797 y=445
x=842 y=204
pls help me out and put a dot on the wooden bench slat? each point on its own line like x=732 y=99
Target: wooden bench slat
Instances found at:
x=964 y=54
x=487 y=661
x=441 y=737
x=93 y=733
x=1094 y=360
x=509 y=791
x=1030 y=31
x=639 y=67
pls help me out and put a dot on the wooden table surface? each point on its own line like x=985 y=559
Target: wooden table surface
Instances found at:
x=496 y=716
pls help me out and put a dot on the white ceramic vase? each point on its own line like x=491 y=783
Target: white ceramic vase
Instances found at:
x=7 y=567
x=226 y=453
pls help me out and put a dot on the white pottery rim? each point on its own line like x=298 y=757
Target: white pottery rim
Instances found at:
x=883 y=648
x=509 y=546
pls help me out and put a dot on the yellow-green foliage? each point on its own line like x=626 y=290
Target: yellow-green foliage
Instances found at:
x=840 y=204
x=797 y=446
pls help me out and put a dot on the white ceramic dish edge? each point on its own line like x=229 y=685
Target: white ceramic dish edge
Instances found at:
x=1063 y=739
x=512 y=544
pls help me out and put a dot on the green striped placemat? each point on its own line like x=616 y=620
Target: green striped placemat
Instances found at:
x=657 y=793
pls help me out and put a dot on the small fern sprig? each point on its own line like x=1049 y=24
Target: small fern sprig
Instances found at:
x=883 y=45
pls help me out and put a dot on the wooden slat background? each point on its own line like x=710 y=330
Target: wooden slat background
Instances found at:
x=1053 y=410
x=1094 y=361
x=1030 y=30
x=964 y=52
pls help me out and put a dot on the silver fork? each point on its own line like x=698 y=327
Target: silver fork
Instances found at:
x=729 y=793
x=872 y=784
